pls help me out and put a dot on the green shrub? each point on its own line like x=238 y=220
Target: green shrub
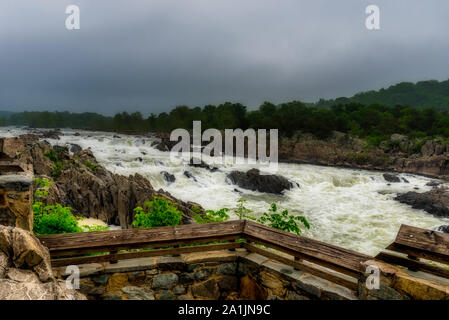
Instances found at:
x=159 y=212
x=57 y=164
x=212 y=216
x=283 y=221
x=242 y=211
x=359 y=158
x=92 y=166
x=54 y=219
x=42 y=183
x=51 y=219
x=94 y=228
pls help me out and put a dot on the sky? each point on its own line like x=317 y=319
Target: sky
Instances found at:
x=153 y=55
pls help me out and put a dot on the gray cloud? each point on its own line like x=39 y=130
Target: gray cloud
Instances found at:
x=153 y=55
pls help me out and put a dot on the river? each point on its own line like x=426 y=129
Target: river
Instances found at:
x=346 y=207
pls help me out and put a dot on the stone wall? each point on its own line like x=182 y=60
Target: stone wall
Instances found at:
x=234 y=275
x=15 y=201
x=214 y=275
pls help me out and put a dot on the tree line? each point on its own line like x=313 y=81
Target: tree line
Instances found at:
x=373 y=121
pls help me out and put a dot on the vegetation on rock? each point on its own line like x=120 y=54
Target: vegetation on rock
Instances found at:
x=158 y=212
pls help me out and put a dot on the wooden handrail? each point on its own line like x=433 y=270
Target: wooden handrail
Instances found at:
x=114 y=240
x=312 y=256
x=418 y=243
x=74 y=246
x=330 y=256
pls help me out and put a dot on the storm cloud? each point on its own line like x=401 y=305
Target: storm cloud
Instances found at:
x=151 y=56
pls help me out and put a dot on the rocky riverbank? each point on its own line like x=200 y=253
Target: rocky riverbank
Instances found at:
x=397 y=154
x=424 y=156
x=84 y=185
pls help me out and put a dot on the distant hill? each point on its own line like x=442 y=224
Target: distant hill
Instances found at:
x=6 y=114
x=423 y=94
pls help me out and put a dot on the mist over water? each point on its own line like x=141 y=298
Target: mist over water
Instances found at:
x=349 y=208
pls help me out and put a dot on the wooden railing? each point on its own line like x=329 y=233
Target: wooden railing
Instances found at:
x=327 y=261
x=418 y=246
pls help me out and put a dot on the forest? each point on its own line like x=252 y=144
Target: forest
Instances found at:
x=374 y=122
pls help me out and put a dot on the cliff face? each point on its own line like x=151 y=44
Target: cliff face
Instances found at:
x=85 y=186
x=397 y=154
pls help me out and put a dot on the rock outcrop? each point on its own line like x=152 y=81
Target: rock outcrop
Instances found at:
x=435 y=201
x=253 y=180
x=88 y=188
x=398 y=154
x=25 y=270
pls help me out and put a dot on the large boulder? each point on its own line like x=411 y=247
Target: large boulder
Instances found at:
x=25 y=270
x=435 y=201
x=391 y=177
x=253 y=180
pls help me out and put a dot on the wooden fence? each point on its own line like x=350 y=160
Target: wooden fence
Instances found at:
x=327 y=261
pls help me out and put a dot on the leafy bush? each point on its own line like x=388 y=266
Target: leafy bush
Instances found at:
x=283 y=221
x=159 y=212
x=54 y=219
x=51 y=219
x=212 y=216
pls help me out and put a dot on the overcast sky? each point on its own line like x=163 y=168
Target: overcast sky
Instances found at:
x=151 y=55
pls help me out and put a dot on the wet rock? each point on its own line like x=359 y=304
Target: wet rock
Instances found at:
x=444 y=229
x=170 y=178
x=391 y=177
x=433 y=184
x=197 y=163
x=163 y=143
x=253 y=180
x=435 y=201
x=51 y=134
x=189 y=175
x=75 y=148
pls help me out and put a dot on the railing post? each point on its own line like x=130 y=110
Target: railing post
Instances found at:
x=176 y=246
x=113 y=261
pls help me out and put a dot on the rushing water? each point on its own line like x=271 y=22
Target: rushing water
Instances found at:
x=350 y=208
